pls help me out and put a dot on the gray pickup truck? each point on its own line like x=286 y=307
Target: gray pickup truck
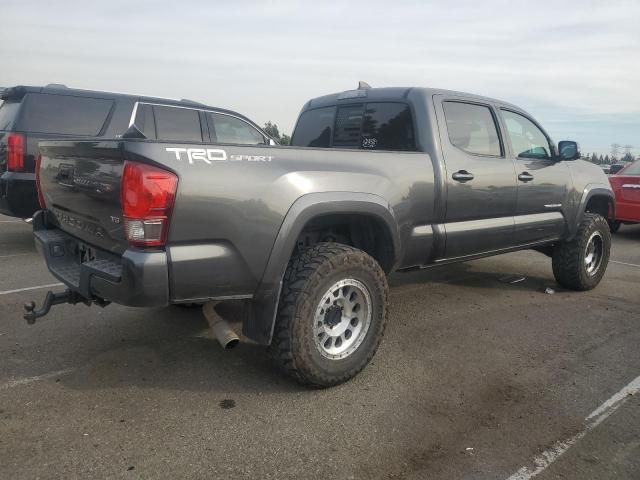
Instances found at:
x=377 y=180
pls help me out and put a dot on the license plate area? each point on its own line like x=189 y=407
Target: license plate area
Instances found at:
x=84 y=253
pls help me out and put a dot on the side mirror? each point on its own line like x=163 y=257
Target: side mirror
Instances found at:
x=568 y=150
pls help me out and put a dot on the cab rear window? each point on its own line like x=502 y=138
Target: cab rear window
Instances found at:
x=372 y=126
x=315 y=128
x=64 y=114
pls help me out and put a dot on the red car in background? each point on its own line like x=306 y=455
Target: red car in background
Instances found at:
x=626 y=187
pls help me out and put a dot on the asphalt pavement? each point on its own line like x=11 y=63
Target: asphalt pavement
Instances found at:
x=481 y=375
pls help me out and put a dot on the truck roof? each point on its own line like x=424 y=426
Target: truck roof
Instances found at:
x=19 y=91
x=391 y=94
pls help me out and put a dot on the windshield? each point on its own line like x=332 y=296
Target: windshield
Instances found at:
x=633 y=169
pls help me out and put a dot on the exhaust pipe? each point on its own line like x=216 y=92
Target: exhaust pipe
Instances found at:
x=219 y=327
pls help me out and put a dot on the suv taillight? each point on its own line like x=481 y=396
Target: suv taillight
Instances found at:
x=147 y=199
x=15 y=152
x=38 y=183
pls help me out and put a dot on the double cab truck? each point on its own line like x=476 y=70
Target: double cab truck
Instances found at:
x=376 y=180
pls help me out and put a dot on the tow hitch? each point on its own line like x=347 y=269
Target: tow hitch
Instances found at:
x=68 y=296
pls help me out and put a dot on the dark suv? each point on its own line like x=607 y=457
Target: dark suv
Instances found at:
x=31 y=114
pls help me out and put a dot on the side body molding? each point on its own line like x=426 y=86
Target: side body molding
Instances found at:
x=262 y=314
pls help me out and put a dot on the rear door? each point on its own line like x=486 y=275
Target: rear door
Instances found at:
x=626 y=186
x=480 y=178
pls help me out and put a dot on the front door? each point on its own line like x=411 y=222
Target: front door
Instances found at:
x=544 y=181
x=480 y=178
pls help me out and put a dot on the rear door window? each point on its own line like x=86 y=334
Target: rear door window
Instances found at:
x=8 y=112
x=177 y=124
x=228 y=129
x=64 y=114
x=314 y=128
x=472 y=128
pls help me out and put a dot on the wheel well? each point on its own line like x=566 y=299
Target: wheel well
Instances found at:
x=366 y=232
x=600 y=204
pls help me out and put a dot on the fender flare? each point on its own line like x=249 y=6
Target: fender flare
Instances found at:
x=590 y=191
x=261 y=318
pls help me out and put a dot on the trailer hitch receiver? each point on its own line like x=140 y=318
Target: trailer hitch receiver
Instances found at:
x=68 y=296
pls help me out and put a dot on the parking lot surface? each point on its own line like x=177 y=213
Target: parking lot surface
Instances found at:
x=481 y=375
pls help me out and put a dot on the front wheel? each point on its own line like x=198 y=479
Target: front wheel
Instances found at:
x=332 y=314
x=580 y=263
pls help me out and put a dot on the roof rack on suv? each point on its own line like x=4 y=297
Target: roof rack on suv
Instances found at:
x=55 y=85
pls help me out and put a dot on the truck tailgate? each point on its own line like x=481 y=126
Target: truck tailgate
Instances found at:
x=80 y=181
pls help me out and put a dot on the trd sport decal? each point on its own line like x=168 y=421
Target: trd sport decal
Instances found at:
x=210 y=155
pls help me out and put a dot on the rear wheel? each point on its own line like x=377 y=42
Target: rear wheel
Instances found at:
x=580 y=263
x=332 y=314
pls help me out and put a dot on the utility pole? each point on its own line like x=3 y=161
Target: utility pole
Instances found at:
x=614 y=151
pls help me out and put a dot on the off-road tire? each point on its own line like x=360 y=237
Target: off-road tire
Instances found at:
x=568 y=259
x=308 y=276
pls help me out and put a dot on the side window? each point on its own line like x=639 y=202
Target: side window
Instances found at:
x=229 y=129
x=472 y=128
x=144 y=120
x=388 y=126
x=527 y=139
x=348 y=126
x=177 y=124
x=314 y=128
x=64 y=114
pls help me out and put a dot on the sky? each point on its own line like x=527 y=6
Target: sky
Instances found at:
x=573 y=65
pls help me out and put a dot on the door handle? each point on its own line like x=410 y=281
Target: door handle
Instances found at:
x=525 y=177
x=462 y=176
x=631 y=185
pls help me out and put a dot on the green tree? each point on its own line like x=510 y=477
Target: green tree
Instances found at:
x=627 y=158
x=594 y=158
x=272 y=130
x=607 y=160
x=601 y=160
x=285 y=139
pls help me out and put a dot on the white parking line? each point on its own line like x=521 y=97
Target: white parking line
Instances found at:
x=28 y=380
x=595 y=418
x=625 y=263
x=14 y=255
x=26 y=289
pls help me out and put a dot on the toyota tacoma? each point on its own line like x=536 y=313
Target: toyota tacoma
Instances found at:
x=376 y=180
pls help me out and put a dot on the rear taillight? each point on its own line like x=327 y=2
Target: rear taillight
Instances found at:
x=15 y=152
x=147 y=199
x=38 y=183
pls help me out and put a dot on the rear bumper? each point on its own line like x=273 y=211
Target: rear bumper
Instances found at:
x=136 y=279
x=18 y=196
